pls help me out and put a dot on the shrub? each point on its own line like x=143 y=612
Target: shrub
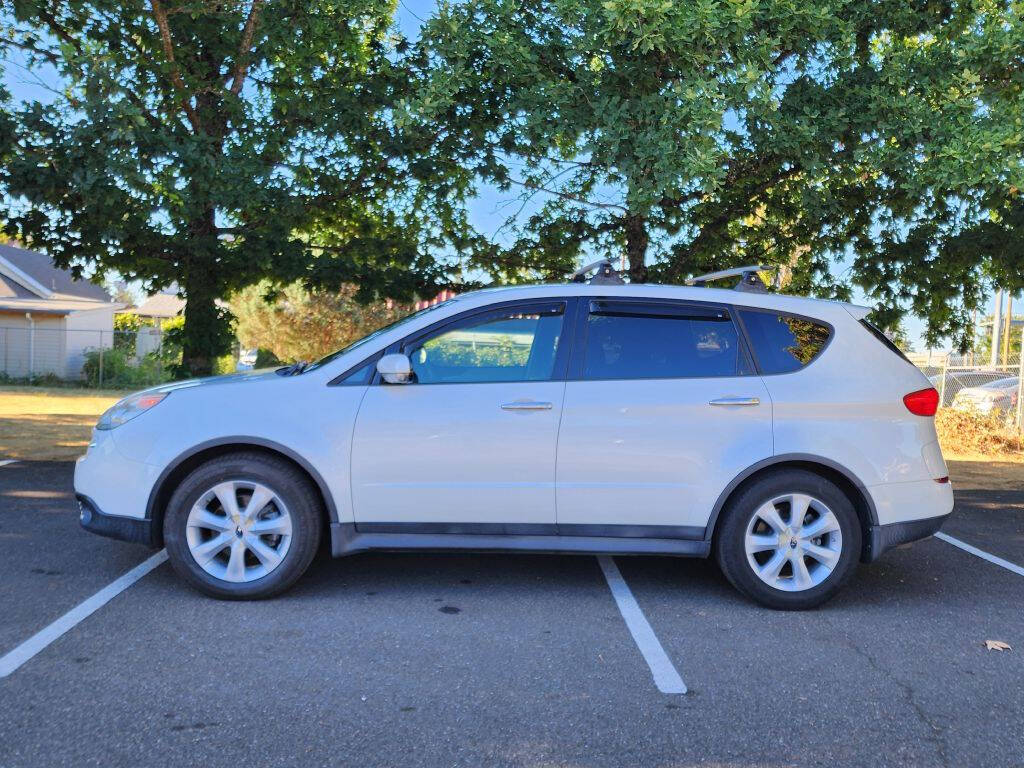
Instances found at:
x=126 y=328
x=121 y=371
x=265 y=359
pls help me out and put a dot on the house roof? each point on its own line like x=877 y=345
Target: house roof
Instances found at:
x=54 y=306
x=160 y=305
x=29 y=274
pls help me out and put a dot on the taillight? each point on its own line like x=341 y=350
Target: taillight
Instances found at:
x=924 y=402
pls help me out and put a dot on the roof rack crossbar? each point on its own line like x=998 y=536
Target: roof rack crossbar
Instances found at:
x=604 y=274
x=749 y=281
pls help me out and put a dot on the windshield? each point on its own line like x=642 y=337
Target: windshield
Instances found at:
x=367 y=339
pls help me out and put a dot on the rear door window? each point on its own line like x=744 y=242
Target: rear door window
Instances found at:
x=625 y=340
x=783 y=343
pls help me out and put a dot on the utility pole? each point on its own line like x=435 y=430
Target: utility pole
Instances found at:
x=974 y=333
x=1007 y=325
x=997 y=318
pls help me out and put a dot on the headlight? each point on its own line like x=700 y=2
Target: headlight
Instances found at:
x=128 y=409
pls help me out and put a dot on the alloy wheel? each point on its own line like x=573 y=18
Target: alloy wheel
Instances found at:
x=793 y=542
x=239 y=531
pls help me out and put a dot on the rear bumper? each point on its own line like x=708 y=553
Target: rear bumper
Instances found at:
x=884 y=537
x=96 y=521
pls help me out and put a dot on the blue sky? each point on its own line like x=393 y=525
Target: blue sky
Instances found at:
x=488 y=211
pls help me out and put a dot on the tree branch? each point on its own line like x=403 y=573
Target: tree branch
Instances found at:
x=49 y=56
x=242 y=59
x=160 y=15
x=60 y=30
x=572 y=198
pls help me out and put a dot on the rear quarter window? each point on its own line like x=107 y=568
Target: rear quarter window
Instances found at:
x=783 y=343
x=879 y=334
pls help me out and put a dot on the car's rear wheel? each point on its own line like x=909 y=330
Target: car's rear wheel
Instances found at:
x=789 y=540
x=243 y=526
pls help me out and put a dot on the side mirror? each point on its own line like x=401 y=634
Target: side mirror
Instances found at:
x=395 y=369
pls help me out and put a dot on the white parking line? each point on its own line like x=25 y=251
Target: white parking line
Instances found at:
x=981 y=553
x=666 y=678
x=5 y=462
x=14 y=659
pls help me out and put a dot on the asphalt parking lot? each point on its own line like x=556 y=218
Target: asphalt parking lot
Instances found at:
x=492 y=660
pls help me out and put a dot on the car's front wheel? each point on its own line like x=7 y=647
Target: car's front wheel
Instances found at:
x=789 y=540
x=243 y=526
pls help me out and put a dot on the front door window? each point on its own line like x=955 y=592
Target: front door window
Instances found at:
x=516 y=344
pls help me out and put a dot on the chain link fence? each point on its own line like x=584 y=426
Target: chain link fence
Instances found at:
x=971 y=382
x=39 y=354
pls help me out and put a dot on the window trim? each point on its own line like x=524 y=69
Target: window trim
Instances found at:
x=582 y=327
x=885 y=341
x=568 y=304
x=339 y=380
x=741 y=308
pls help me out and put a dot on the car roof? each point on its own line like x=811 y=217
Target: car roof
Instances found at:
x=779 y=301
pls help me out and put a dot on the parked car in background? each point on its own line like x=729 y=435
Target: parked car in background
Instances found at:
x=246 y=360
x=956 y=381
x=786 y=437
x=999 y=396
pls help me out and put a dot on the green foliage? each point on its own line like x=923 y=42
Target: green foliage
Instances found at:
x=898 y=336
x=117 y=368
x=126 y=329
x=220 y=146
x=224 y=365
x=983 y=340
x=127 y=322
x=265 y=358
x=502 y=351
x=692 y=136
x=293 y=323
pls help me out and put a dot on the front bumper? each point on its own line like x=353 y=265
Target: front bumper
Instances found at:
x=94 y=520
x=885 y=537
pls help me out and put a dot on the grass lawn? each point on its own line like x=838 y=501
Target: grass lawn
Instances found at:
x=49 y=424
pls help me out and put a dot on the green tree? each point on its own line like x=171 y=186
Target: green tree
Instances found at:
x=692 y=136
x=898 y=335
x=983 y=341
x=299 y=324
x=216 y=144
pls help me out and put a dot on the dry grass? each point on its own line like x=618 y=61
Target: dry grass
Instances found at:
x=973 y=436
x=49 y=424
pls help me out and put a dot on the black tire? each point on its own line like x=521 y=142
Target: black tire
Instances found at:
x=283 y=478
x=730 y=549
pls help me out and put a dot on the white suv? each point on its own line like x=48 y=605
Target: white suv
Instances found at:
x=784 y=435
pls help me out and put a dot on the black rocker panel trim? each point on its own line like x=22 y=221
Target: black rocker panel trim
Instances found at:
x=346 y=540
x=692 y=532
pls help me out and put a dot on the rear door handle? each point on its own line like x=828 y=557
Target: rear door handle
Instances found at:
x=736 y=401
x=526 y=405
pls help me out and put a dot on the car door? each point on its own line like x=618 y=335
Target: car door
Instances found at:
x=661 y=412
x=469 y=445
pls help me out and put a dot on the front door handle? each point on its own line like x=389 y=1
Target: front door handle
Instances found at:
x=736 y=401
x=526 y=405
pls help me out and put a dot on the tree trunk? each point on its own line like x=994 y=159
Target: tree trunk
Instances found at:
x=201 y=337
x=636 y=247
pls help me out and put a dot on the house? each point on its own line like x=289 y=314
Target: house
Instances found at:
x=160 y=306
x=47 y=318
